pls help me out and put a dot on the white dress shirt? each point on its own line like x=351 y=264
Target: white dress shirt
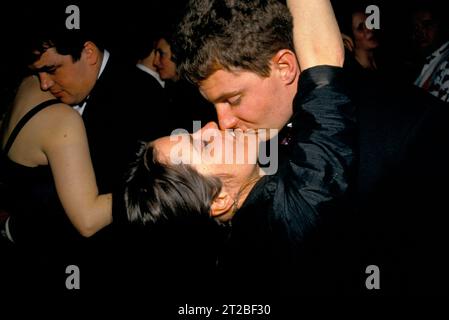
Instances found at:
x=81 y=108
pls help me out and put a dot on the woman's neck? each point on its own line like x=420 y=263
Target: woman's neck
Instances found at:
x=366 y=59
x=246 y=188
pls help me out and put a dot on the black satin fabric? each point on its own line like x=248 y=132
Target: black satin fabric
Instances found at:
x=286 y=229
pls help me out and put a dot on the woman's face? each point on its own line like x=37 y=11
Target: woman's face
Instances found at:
x=230 y=154
x=364 y=38
x=162 y=61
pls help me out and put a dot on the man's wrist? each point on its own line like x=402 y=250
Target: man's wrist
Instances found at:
x=319 y=76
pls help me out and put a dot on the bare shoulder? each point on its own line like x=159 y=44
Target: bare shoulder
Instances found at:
x=30 y=90
x=59 y=124
x=29 y=93
x=28 y=83
x=47 y=121
x=60 y=115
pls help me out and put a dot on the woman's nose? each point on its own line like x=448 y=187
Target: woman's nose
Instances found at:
x=210 y=125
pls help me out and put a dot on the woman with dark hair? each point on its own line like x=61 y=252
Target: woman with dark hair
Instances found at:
x=162 y=186
x=282 y=225
x=184 y=99
x=361 y=41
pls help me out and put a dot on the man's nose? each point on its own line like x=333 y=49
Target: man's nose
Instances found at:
x=226 y=119
x=45 y=81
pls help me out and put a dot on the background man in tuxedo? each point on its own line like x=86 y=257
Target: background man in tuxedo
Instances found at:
x=117 y=106
x=117 y=111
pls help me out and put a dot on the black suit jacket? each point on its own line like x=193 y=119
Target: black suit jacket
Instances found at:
x=122 y=108
x=125 y=106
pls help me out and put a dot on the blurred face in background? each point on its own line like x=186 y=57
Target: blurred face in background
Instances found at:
x=426 y=31
x=163 y=61
x=364 y=38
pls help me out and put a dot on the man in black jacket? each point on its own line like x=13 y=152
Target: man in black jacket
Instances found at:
x=118 y=108
x=294 y=230
x=281 y=236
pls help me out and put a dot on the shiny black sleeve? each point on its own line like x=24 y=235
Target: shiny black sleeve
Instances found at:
x=313 y=179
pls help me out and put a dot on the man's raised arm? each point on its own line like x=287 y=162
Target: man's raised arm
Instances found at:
x=316 y=34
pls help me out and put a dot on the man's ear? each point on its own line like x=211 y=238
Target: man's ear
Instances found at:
x=221 y=205
x=286 y=64
x=91 y=52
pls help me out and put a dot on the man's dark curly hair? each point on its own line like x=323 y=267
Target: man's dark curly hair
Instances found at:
x=231 y=34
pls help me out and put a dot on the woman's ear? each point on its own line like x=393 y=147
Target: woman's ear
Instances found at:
x=221 y=205
x=286 y=64
x=348 y=42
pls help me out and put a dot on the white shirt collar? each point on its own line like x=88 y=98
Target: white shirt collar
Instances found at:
x=104 y=62
x=151 y=72
x=80 y=108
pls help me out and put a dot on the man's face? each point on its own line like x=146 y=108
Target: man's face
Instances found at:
x=426 y=33
x=245 y=100
x=69 y=81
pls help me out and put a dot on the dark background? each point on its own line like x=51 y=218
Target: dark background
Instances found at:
x=123 y=24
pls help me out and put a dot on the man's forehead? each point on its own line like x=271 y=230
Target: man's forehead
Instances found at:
x=423 y=16
x=222 y=84
x=44 y=59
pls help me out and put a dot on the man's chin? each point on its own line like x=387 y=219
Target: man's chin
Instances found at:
x=68 y=101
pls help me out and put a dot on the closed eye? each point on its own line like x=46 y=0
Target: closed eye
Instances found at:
x=235 y=101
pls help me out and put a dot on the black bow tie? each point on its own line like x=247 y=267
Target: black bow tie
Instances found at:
x=81 y=104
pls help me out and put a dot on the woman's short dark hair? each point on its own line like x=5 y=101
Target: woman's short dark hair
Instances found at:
x=230 y=34
x=157 y=192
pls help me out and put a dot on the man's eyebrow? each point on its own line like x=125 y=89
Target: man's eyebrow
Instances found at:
x=226 y=96
x=44 y=68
